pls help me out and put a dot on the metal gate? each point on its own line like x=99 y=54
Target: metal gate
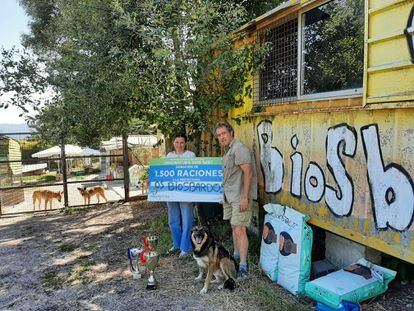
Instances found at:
x=61 y=176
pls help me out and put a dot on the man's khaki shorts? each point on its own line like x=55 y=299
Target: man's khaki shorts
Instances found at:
x=231 y=211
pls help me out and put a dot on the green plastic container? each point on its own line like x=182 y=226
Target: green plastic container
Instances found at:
x=341 y=285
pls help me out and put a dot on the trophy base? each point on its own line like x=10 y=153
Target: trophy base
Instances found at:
x=151 y=286
x=136 y=275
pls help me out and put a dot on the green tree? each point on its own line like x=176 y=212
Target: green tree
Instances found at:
x=255 y=8
x=30 y=146
x=21 y=76
x=334 y=47
x=110 y=62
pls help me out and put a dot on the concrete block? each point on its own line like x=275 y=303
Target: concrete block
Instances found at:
x=342 y=252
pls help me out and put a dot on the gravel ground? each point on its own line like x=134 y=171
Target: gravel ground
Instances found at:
x=78 y=262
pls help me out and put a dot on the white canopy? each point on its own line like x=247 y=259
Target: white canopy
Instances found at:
x=70 y=150
x=133 y=141
x=89 y=151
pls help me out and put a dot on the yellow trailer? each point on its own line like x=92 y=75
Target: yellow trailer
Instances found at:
x=333 y=117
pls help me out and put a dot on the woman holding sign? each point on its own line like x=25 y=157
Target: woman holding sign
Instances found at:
x=180 y=214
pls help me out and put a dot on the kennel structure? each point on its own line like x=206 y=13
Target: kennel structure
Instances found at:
x=10 y=172
x=331 y=119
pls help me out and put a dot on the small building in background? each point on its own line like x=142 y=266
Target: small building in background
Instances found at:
x=141 y=149
x=34 y=169
x=10 y=172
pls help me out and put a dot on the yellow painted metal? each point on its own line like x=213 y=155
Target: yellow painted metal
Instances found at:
x=388 y=102
x=378 y=6
x=396 y=135
x=389 y=70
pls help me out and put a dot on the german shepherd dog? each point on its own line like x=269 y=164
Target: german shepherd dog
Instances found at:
x=215 y=258
x=87 y=193
x=46 y=195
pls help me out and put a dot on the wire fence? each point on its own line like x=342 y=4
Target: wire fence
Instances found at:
x=61 y=176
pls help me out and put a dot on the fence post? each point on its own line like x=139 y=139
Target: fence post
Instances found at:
x=64 y=172
x=125 y=164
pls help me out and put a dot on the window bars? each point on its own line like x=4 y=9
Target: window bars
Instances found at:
x=277 y=81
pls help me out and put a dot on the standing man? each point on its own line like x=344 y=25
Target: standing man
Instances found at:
x=239 y=190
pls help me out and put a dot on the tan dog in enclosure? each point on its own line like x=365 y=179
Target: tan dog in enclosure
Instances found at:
x=87 y=193
x=46 y=195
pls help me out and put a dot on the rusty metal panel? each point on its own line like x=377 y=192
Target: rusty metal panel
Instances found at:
x=389 y=38
x=351 y=172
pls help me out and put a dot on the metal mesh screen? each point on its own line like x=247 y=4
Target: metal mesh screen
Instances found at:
x=277 y=82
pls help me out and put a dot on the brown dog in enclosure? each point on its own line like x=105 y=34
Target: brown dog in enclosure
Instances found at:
x=46 y=195
x=87 y=193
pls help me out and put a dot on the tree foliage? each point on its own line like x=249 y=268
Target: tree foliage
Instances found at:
x=20 y=77
x=334 y=47
x=111 y=62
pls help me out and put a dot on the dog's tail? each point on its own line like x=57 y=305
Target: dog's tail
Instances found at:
x=230 y=284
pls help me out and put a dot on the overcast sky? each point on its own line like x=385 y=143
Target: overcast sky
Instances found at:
x=13 y=23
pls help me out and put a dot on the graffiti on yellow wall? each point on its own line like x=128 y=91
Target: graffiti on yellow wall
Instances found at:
x=409 y=32
x=391 y=187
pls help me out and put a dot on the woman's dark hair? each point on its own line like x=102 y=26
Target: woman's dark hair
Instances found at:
x=180 y=135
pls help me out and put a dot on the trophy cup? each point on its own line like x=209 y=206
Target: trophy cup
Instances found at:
x=152 y=261
x=152 y=242
x=134 y=255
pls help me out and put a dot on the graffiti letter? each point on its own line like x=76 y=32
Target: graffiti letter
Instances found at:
x=314 y=182
x=340 y=202
x=409 y=32
x=391 y=187
x=297 y=163
x=270 y=158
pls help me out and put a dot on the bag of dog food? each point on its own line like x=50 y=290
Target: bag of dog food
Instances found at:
x=286 y=247
x=355 y=283
x=269 y=249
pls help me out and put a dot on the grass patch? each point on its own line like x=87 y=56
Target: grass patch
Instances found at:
x=68 y=211
x=258 y=288
x=35 y=179
x=80 y=274
x=52 y=280
x=81 y=177
x=67 y=248
x=84 y=257
x=221 y=231
x=162 y=230
x=265 y=296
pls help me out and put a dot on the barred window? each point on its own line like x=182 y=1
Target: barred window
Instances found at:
x=278 y=79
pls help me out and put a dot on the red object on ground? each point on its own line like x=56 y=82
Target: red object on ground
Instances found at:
x=109 y=177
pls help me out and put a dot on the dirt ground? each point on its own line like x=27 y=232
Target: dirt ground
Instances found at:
x=78 y=262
